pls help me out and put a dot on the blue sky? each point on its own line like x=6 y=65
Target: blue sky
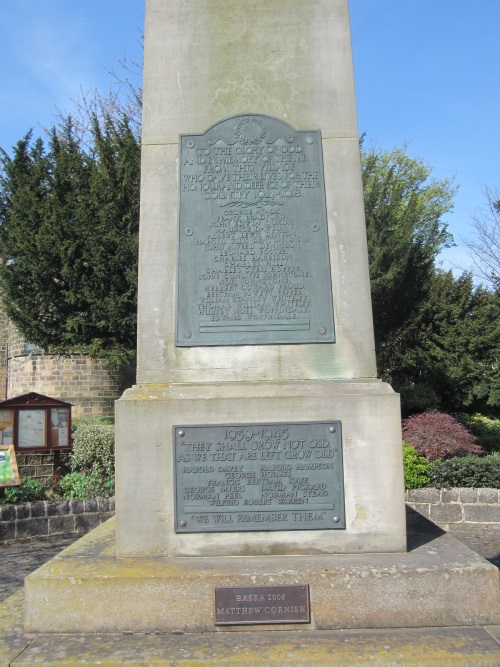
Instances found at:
x=426 y=72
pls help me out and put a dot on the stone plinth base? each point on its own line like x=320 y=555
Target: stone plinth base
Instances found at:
x=86 y=589
x=372 y=462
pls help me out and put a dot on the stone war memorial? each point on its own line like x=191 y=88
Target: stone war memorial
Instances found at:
x=259 y=460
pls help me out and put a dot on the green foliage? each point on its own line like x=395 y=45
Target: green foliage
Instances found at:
x=94 y=448
x=466 y=471
x=68 y=231
x=486 y=430
x=29 y=490
x=81 y=485
x=453 y=345
x=416 y=468
x=404 y=211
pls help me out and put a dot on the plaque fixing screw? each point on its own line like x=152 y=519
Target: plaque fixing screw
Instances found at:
x=183 y=523
x=181 y=433
x=336 y=519
x=187 y=334
x=309 y=140
x=332 y=429
x=188 y=231
x=322 y=330
x=190 y=143
x=315 y=227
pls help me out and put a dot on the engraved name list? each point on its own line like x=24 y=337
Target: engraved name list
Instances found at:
x=253 y=261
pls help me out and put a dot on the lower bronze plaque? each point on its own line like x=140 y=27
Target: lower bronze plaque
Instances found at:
x=262 y=604
x=243 y=477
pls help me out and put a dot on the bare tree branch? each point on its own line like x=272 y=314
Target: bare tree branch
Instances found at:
x=484 y=245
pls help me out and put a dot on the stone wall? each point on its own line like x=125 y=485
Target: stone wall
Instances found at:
x=459 y=511
x=462 y=512
x=86 y=383
x=44 y=519
x=36 y=465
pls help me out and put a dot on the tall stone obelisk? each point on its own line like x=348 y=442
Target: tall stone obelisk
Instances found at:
x=250 y=350
x=258 y=428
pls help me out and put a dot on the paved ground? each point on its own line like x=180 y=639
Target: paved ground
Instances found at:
x=18 y=560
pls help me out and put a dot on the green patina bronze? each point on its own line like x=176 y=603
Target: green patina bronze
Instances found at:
x=245 y=477
x=253 y=256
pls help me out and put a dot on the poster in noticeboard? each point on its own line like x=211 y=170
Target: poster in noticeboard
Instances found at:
x=32 y=431
x=59 y=433
x=9 y=475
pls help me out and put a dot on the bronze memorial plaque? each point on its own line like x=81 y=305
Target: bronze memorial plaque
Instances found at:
x=262 y=604
x=247 y=477
x=253 y=262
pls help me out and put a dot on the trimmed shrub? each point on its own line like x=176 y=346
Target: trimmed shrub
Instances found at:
x=486 y=430
x=437 y=435
x=28 y=491
x=415 y=468
x=466 y=471
x=94 y=448
x=81 y=486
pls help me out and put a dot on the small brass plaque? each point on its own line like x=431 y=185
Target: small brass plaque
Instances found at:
x=253 y=261
x=262 y=604
x=267 y=476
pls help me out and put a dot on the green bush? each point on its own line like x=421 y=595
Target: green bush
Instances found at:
x=415 y=468
x=27 y=491
x=486 y=430
x=80 y=485
x=94 y=448
x=466 y=471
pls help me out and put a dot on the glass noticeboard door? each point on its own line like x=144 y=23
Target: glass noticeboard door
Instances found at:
x=59 y=432
x=32 y=429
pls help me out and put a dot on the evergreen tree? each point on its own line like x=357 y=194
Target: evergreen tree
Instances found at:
x=68 y=238
x=404 y=210
x=449 y=354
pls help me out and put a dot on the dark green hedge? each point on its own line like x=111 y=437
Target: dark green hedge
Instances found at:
x=466 y=471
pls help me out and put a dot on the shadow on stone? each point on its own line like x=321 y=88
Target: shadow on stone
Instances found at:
x=419 y=530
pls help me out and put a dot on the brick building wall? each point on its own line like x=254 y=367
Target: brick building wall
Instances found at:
x=87 y=383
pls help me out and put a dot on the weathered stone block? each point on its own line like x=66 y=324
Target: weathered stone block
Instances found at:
x=38 y=508
x=468 y=495
x=7 y=512
x=77 y=506
x=103 y=504
x=446 y=513
x=485 y=513
x=424 y=495
x=86 y=522
x=58 y=507
x=62 y=524
x=45 y=470
x=487 y=496
x=7 y=531
x=422 y=508
x=23 y=511
x=449 y=495
x=32 y=527
x=27 y=471
x=90 y=505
